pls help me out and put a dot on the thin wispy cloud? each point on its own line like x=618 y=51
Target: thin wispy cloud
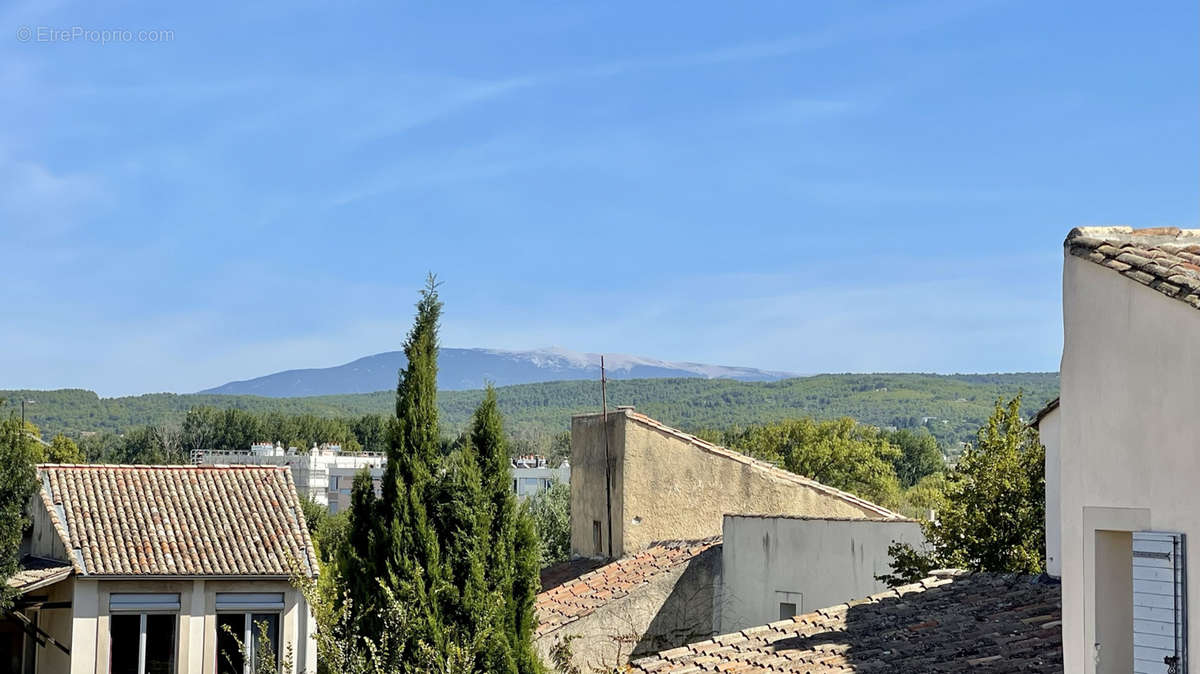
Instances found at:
x=853 y=185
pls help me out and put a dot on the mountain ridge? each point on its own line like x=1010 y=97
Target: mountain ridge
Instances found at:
x=471 y=368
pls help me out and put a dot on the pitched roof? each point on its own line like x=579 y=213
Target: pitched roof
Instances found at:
x=178 y=520
x=38 y=572
x=1164 y=258
x=579 y=597
x=775 y=471
x=1041 y=414
x=1008 y=623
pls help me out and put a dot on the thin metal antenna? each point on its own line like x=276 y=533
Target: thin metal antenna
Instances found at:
x=607 y=458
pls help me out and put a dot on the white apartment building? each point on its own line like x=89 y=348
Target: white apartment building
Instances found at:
x=325 y=474
x=532 y=475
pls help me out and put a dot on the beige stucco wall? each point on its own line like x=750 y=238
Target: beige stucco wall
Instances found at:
x=588 y=503
x=813 y=563
x=1130 y=436
x=666 y=488
x=1049 y=429
x=84 y=627
x=673 y=609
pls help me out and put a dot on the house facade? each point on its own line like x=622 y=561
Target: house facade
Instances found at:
x=1127 y=438
x=163 y=569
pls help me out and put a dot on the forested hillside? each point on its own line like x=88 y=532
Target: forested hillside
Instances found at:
x=952 y=407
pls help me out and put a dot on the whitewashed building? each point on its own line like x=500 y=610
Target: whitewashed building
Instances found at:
x=1123 y=450
x=532 y=475
x=325 y=473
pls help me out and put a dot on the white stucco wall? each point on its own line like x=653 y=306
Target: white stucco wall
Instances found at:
x=816 y=562
x=1049 y=429
x=1130 y=435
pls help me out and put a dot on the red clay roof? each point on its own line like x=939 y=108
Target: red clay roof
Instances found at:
x=972 y=622
x=1166 y=259
x=178 y=520
x=578 y=597
x=879 y=511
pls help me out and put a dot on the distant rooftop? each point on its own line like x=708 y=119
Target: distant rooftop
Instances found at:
x=1166 y=259
x=575 y=597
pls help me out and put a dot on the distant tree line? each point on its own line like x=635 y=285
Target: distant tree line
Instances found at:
x=950 y=407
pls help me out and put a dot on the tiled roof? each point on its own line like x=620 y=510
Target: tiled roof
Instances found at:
x=968 y=623
x=775 y=471
x=1164 y=258
x=576 y=598
x=563 y=572
x=37 y=572
x=178 y=520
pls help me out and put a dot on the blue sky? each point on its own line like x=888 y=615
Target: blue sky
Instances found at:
x=813 y=187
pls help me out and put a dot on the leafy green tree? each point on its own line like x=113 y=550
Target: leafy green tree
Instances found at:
x=560 y=449
x=314 y=513
x=551 y=513
x=330 y=535
x=371 y=432
x=63 y=450
x=841 y=453
x=993 y=518
x=18 y=482
x=919 y=455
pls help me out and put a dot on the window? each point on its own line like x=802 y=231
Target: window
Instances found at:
x=790 y=604
x=597 y=538
x=141 y=632
x=246 y=624
x=333 y=483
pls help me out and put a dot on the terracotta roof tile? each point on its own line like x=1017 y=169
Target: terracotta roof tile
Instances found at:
x=37 y=572
x=177 y=520
x=1166 y=259
x=567 y=602
x=972 y=622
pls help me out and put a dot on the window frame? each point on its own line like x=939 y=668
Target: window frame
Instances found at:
x=143 y=604
x=248 y=605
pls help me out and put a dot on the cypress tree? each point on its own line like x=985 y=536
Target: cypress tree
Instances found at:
x=392 y=540
x=446 y=538
x=511 y=551
x=406 y=549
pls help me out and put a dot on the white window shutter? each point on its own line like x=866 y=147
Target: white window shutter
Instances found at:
x=1159 y=603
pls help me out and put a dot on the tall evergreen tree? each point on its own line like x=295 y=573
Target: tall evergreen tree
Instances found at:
x=445 y=539
x=512 y=552
x=405 y=550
